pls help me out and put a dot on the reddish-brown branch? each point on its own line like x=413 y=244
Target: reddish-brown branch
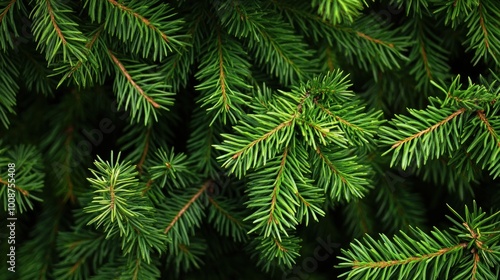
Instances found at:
x=76 y=266
x=143 y=19
x=19 y=189
x=376 y=41
x=7 y=8
x=224 y=212
x=54 y=23
x=283 y=249
x=384 y=264
x=188 y=204
x=429 y=129
x=222 y=75
x=483 y=27
x=474 y=268
x=483 y=118
x=148 y=187
x=277 y=182
x=426 y=62
x=112 y=198
x=330 y=165
x=131 y=81
x=264 y=137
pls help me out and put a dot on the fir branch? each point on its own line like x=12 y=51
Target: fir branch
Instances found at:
x=270 y=38
x=89 y=71
x=428 y=60
x=202 y=140
x=340 y=174
x=8 y=88
x=140 y=17
x=28 y=180
x=360 y=35
x=8 y=23
x=181 y=212
x=150 y=21
x=223 y=74
x=61 y=40
x=483 y=35
x=131 y=81
x=120 y=208
x=490 y=129
x=141 y=88
x=429 y=129
x=268 y=250
x=225 y=217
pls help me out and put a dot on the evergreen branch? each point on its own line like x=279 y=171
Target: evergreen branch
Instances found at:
x=387 y=43
x=275 y=210
x=181 y=212
x=483 y=37
x=263 y=137
x=272 y=218
x=429 y=129
x=170 y=169
x=141 y=88
x=490 y=129
x=410 y=257
x=275 y=190
x=151 y=20
x=270 y=38
x=224 y=215
x=346 y=179
x=260 y=137
x=28 y=179
x=223 y=74
x=131 y=81
x=7 y=22
x=140 y=17
x=269 y=251
x=403 y=257
x=85 y=72
x=428 y=59
x=436 y=130
x=8 y=88
x=201 y=143
x=56 y=30
x=119 y=206
x=421 y=258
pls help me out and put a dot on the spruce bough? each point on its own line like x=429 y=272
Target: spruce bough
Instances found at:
x=230 y=139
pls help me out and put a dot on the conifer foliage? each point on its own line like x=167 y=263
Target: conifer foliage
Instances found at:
x=228 y=139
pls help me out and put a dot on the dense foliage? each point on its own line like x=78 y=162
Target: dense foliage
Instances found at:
x=228 y=139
